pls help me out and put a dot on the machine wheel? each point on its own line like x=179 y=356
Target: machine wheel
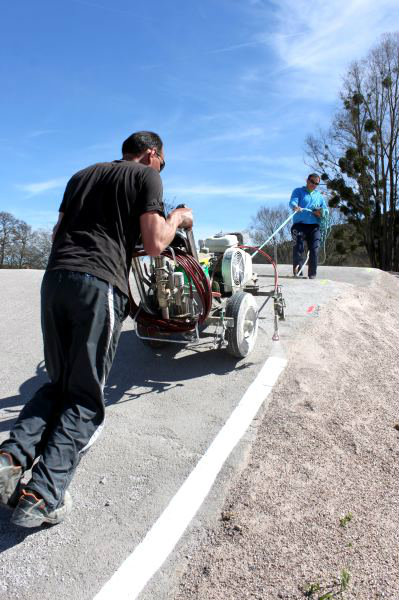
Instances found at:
x=241 y=338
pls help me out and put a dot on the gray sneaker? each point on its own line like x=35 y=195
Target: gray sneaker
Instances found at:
x=298 y=271
x=10 y=476
x=31 y=511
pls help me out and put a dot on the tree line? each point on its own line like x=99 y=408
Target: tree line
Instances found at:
x=21 y=247
x=357 y=159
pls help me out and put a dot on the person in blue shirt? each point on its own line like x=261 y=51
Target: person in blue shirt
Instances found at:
x=309 y=206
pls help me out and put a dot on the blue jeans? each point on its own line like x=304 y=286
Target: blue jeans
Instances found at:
x=310 y=233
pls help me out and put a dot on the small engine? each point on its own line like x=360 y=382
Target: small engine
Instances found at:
x=229 y=265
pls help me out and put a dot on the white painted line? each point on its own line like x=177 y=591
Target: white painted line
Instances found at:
x=135 y=572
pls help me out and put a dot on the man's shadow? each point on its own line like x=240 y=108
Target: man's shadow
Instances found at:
x=135 y=367
x=11 y=406
x=11 y=535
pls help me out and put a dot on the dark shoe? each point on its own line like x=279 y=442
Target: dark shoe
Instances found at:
x=296 y=271
x=31 y=511
x=10 y=474
x=312 y=277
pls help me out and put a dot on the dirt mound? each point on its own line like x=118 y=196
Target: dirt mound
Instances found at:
x=315 y=509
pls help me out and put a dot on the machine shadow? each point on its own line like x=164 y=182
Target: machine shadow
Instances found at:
x=159 y=370
x=136 y=366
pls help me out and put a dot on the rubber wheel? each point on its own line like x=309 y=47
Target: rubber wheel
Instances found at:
x=241 y=338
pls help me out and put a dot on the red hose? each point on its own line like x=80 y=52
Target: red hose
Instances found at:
x=197 y=279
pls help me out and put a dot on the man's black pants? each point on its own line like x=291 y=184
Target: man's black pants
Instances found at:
x=81 y=322
x=310 y=233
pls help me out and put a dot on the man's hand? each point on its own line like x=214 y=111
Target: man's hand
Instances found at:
x=317 y=213
x=185 y=215
x=297 y=209
x=157 y=232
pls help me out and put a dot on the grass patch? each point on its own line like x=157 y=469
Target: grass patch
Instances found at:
x=318 y=591
x=346 y=519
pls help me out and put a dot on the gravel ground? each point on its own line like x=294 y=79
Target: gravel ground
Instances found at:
x=314 y=511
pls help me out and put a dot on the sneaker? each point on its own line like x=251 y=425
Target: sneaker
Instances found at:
x=10 y=474
x=31 y=510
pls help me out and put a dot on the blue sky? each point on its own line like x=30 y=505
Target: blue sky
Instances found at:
x=232 y=86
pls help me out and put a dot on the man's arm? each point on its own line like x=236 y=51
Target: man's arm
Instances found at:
x=323 y=210
x=294 y=202
x=60 y=215
x=158 y=232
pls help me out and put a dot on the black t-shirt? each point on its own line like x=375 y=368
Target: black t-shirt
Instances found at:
x=102 y=205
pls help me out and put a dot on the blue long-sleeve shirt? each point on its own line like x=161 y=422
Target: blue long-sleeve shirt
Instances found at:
x=303 y=198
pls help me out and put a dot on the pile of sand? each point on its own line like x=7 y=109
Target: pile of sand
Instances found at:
x=316 y=505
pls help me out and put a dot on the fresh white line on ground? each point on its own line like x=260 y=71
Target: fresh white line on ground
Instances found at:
x=135 y=572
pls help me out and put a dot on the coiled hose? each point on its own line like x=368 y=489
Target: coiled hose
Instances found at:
x=197 y=279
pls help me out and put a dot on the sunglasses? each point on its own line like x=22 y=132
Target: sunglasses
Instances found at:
x=162 y=162
x=314 y=182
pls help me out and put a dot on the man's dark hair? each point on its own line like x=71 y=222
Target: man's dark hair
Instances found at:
x=313 y=175
x=140 y=141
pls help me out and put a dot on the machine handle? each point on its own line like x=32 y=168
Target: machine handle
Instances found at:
x=190 y=237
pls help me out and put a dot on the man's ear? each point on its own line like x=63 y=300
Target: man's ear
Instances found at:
x=145 y=159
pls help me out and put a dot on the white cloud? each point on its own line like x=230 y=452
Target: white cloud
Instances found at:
x=33 y=189
x=237 y=129
x=42 y=132
x=251 y=75
x=234 y=133
x=255 y=192
x=228 y=136
x=277 y=162
x=233 y=47
x=105 y=7
x=317 y=42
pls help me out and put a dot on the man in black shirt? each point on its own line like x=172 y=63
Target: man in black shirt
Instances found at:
x=84 y=300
